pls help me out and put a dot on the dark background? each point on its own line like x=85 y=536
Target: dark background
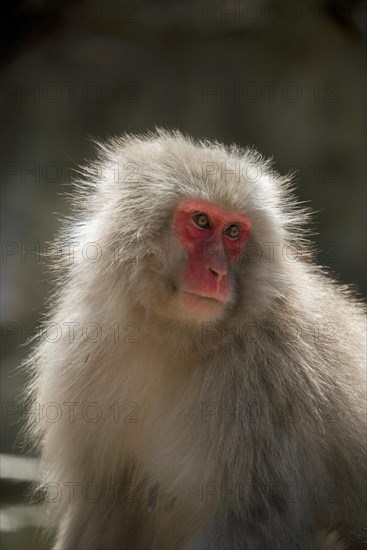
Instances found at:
x=285 y=76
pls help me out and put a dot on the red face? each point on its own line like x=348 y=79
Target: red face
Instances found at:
x=213 y=239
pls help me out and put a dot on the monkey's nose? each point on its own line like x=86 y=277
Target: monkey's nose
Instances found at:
x=218 y=273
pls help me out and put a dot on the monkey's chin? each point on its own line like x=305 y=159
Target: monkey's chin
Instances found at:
x=202 y=307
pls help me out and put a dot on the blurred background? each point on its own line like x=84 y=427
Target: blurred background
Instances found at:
x=285 y=76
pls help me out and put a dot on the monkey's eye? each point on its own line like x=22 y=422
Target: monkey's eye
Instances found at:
x=201 y=220
x=232 y=231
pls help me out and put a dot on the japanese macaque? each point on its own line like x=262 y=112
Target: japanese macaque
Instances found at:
x=200 y=383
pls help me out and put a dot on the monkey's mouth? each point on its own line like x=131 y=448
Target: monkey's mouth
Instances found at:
x=200 y=297
x=202 y=305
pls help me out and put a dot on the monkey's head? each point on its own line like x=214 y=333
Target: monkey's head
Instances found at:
x=196 y=229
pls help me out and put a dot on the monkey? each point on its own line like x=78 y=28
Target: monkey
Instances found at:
x=200 y=381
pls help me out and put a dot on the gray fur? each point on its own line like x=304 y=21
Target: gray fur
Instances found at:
x=268 y=401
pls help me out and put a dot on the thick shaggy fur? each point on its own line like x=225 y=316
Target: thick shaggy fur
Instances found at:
x=244 y=432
